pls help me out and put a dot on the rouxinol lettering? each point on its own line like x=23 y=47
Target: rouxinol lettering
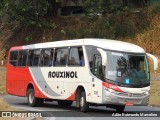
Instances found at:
x=62 y=74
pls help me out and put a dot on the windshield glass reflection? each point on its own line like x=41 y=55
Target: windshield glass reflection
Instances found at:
x=130 y=69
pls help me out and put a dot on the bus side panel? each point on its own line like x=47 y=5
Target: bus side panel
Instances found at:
x=38 y=92
x=20 y=87
x=11 y=80
x=18 y=80
x=34 y=77
x=15 y=81
x=30 y=80
x=10 y=89
x=69 y=90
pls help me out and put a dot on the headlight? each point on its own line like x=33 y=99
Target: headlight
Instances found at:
x=146 y=93
x=111 y=91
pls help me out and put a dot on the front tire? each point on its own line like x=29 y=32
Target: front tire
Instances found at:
x=32 y=100
x=84 y=105
x=120 y=108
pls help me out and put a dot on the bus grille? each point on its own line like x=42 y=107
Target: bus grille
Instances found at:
x=131 y=94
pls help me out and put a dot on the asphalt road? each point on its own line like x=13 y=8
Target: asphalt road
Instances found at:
x=51 y=109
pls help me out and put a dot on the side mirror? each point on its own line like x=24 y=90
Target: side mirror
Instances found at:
x=155 y=60
x=104 y=56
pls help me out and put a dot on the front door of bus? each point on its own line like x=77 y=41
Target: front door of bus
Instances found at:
x=96 y=80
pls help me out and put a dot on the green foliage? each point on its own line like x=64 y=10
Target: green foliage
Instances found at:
x=29 y=12
x=4 y=4
x=122 y=25
x=125 y=29
x=106 y=6
x=156 y=9
x=100 y=28
x=28 y=38
x=116 y=22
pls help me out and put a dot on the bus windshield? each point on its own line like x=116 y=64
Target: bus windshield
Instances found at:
x=127 y=69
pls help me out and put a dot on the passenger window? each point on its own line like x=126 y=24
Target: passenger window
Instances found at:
x=33 y=59
x=76 y=57
x=46 y=57
x=61 y=56
x=14 y=58
x=22 y=58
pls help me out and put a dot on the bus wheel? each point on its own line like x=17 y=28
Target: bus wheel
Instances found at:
x=84 y=105
x=32 y=100
x=65 y=103
x=120 y=108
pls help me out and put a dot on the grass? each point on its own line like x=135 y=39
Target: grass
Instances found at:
x=149 y=39
x=155 y=93
x=4 y=106
x=2 y=82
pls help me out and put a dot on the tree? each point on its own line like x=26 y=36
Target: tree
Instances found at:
x=52 y=8
x=28 y=12
x=107 y=6
x=113 y=6
x=3 y=6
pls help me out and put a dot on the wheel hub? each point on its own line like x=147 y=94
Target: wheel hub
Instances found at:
x=81 y=101
x=31 y=97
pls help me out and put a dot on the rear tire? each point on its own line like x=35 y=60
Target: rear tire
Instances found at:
x=84 y=105
x=32 y=100
x=65 y=103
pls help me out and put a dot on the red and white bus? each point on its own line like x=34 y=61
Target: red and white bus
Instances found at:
x=88 y=71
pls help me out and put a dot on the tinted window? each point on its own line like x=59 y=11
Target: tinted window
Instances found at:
x=46 y=57
x=61 y=56
x=95 y=61
x=33 y=57
x=22 y=58
x=14 y=58
x=97 y=66
x=76 y=57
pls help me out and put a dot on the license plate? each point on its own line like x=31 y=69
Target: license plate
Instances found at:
x=129 y=103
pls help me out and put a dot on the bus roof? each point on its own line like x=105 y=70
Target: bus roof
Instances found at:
x=101 y=43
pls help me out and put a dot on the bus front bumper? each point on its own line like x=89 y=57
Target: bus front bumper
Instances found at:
x=116 y=99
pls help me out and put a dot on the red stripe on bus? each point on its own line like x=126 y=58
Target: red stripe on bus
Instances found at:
x=16 y=48
x=111 y=86
x=72 y=97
